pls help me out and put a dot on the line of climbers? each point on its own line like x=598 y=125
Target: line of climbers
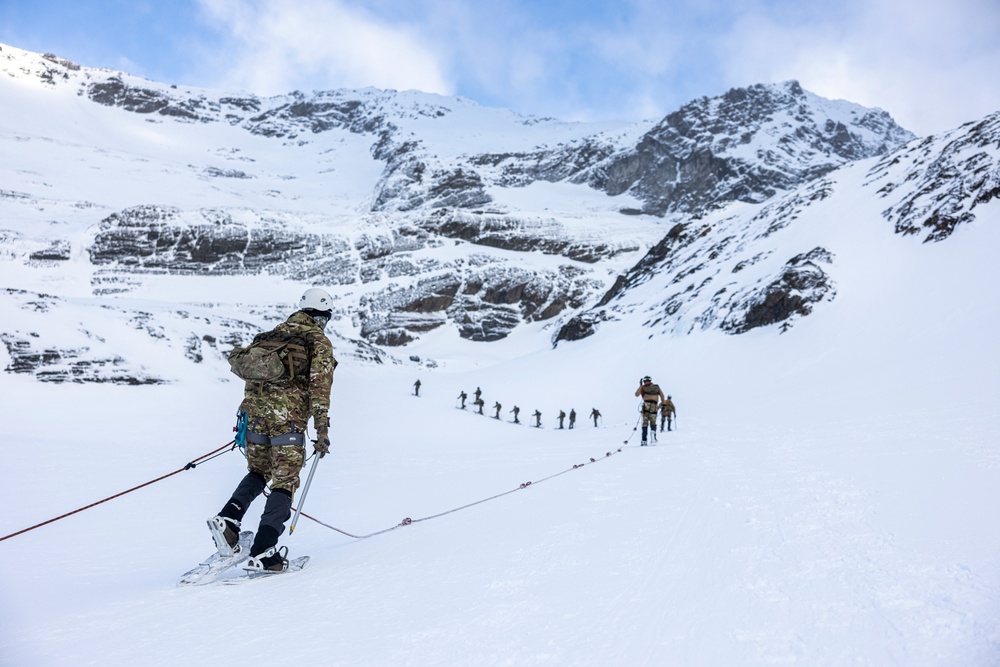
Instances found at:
x=595 y=414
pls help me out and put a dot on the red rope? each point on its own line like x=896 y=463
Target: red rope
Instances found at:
x=190 y=465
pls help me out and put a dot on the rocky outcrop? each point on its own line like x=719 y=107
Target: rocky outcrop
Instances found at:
x=746 y=145
x=800 y=284
x=155 y=238
x=946 y=178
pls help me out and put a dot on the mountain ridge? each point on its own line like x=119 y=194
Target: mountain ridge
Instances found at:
x=411 y=210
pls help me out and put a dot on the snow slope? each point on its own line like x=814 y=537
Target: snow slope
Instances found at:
x=830 y=498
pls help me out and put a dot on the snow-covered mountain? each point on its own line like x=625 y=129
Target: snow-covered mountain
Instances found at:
x=820 y=305
x=191 y=215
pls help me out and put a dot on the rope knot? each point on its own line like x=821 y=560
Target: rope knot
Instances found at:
x=406 y=522
x=526 y=485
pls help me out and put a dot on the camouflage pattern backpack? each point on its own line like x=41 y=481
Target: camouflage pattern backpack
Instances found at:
x=273 y=356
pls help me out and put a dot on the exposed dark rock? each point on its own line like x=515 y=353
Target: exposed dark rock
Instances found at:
x=116 y=93
x=953 y=175
x=801 y=284
x=580 y=326
x=512 y=233
x=482 y=322
x=687 y=163
x=57 y=251
x=159 y=238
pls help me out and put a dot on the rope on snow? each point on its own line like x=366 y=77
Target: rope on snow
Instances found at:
x=189 y=466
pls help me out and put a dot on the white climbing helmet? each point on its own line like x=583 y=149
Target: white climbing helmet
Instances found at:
x=316 y=299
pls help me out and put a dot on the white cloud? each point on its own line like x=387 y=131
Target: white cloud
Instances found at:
x=932 y=66
x=275 y=46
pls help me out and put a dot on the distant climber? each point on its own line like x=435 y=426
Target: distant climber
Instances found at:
x=651 y=396
x=667 y=412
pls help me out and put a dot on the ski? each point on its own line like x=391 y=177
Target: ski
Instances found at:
x=215 y=565
x=294 y=565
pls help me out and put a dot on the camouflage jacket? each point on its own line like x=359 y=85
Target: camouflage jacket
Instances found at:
x=281 y=407
x=667 y=407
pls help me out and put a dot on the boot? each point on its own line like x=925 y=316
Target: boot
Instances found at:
x=226 y=533
x=274 y=559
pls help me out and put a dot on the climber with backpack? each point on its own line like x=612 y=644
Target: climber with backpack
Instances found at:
x=651 y=396
x=288 y=373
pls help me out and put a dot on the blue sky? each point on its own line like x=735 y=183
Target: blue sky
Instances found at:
x=933 y=65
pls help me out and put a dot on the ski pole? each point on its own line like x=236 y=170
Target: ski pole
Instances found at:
x=305 y=490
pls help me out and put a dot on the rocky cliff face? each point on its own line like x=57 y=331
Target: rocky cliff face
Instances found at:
x=935 y=185
x=738 y=271
x=747 y=145
x=428 y=214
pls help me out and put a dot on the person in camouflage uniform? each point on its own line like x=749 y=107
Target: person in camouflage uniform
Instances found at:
x=562 y=417
x=651 y=397
x=572 y=417
x=516 y=410
x=497 y=407
x=667 y=412
x=277 y=416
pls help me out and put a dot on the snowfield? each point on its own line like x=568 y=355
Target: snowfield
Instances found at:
x=829 y=498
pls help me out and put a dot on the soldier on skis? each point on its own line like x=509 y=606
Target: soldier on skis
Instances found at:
x=516 y=410
x=572 y=417
x=562 y=418
x=651 y=397
x=498 y=408
x=416 y=388
x=277 y=414
x=538 y=419
x=595 y=414
x=463 y=396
